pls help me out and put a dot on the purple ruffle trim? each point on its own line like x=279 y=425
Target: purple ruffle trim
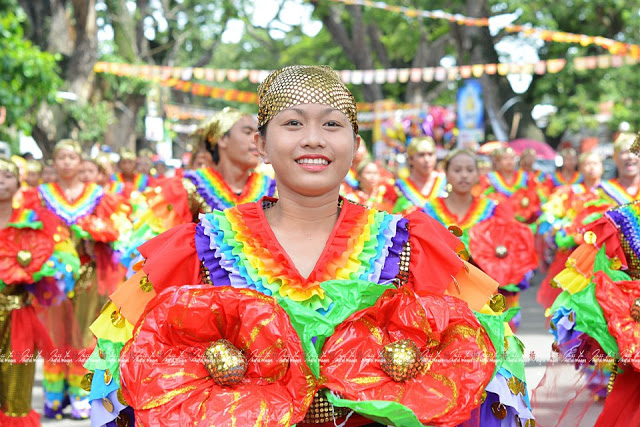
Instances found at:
x=392 y=265
x=208 y=252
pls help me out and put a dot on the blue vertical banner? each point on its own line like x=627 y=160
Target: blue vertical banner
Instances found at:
x=470 y=109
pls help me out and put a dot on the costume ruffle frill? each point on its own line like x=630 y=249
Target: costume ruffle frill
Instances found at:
x=596 y=319
x=176 y=201
x=232 y=261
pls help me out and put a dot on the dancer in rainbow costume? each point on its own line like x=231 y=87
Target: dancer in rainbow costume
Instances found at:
x=568 y=174
x=127 y=178
x=95 y=220
x=626 y=187
x=564 y=216
x=254 y=315
x=494 y=241
x=37 y=261
x=423 y=182
x=509 y=185
x=179 y=200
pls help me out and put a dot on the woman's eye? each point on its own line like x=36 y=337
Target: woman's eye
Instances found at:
x=333 y=123
x=292 y=123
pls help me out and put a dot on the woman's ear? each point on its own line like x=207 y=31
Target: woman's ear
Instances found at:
x=358 y=141
x=260 y=145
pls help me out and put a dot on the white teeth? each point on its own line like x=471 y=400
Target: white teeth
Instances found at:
x=312 y=162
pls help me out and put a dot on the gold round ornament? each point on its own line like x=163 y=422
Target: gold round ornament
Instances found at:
x=225 y=363
x=401 y=360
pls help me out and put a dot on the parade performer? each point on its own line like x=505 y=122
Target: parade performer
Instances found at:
x=269 y=301
x=564 y=216
x=424 y=182
x=507 y=184
x=37 y=261
x=350 y=183
x=228 y=136
x=596 y=318
x=95 y=220
x=568 y=174
x=626 y=187
x=493 y=226
x=373 y=189
x=130 y=180
x=527 y=160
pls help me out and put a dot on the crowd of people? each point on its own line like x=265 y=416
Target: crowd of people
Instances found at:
x=285 y=277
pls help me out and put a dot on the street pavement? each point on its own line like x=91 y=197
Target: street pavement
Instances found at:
x=532 y=332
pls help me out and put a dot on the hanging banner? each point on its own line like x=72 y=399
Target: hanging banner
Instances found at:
x=167 y=75
x=470 y=108
x=613 y=46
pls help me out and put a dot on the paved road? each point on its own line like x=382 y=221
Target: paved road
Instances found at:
x=532 y=333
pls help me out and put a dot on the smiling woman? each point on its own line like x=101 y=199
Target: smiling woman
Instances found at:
x=306 y=277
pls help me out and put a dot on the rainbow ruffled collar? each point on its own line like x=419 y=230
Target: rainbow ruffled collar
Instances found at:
x=615 y=191
x=558 y=179
x=239 y=249
x=217 y=194
x=71 y=212
x=140 y=180
x=481 y=209
x=409 y=189
x=501 y=186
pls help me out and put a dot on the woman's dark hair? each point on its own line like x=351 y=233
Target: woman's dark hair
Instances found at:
x=456 y=153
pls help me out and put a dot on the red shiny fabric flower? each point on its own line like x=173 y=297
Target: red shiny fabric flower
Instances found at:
x=23 y=252
x=525 y=203
x=620 y=302
x=165 y=379
x=457 y=356
x=503 y=249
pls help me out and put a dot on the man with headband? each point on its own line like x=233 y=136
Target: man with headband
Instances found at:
x=37 y=260
x=269 y=302
x=228 y=138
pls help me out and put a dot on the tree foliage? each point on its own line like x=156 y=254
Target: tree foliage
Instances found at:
x=28 y=76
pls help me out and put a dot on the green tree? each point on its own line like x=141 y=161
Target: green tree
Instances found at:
x=28 y=76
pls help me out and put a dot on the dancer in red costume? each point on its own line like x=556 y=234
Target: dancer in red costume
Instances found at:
x=373 y=189
x=493 y=226
x=37 y=260
x=508 y=184
x=626 y=187
x=95 y=220
x=568 y=174
x=255 y=314
x=564 y=216
x=179 y=200
x=423 y=182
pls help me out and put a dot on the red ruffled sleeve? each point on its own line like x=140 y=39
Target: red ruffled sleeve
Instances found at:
x=174 y=194
x=434 y=261
x=609 y=235
x=171 y=258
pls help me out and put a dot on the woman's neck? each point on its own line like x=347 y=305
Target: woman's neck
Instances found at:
x=590 y=183
x=629 y=181
x=69 y=183
x=300 y=212
x=459 y=203
x=421 y=179
x=234 y=175
x=509 y=176
x=6 y=210
x=567 y=174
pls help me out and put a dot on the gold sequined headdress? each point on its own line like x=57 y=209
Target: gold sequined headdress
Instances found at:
x=419 y=144
x=635 y=147
x=300 y=84
x=126 y=154
x=8 y=165
x=68 y=144
x=34 y=166
x=214 y=128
